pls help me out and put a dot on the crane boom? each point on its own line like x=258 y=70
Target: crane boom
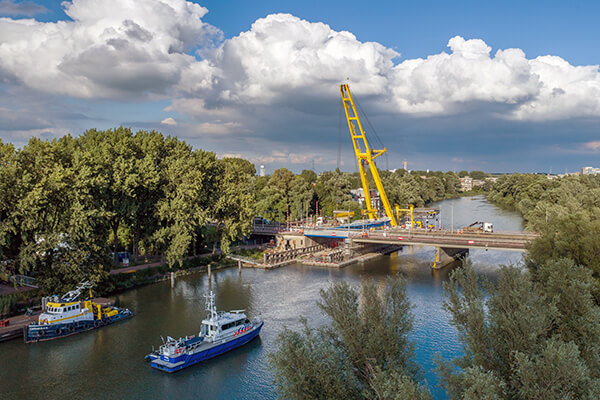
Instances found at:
x=365 y=156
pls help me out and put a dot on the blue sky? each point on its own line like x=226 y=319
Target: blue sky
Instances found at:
x=259 y=80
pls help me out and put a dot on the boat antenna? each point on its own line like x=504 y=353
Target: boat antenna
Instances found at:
x=74 y=294
x=210 y=305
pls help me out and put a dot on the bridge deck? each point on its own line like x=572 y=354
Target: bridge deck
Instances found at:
x=439 y=238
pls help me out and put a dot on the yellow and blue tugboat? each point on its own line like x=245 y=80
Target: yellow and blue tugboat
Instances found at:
x=67 y=316
x=220 y=332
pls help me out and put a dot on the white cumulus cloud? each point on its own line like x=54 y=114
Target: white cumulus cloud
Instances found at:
x=110 y=48
x=132 y=49
x=283 y=59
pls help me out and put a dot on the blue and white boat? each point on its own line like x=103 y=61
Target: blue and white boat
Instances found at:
x=219 y=333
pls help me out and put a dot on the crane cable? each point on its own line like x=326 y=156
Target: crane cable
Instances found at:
x=378 y=139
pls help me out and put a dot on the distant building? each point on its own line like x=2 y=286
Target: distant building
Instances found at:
x=590 y=171
x=358 y=195
x=466 y=183
x=262 y=170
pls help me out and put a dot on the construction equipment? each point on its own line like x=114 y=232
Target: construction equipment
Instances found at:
x=365 y=155
x=343 y=216
x=410 y=210
x=479 y=227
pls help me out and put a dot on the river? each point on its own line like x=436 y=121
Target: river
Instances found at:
x=109 y=363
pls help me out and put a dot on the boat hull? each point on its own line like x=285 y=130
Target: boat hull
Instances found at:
x=39 y=333
x=186 y=360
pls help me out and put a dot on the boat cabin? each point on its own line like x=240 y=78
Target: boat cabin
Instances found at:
x=62 y=312
x=224 y=325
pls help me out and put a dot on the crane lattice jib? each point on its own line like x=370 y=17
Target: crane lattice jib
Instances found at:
x=365 y=156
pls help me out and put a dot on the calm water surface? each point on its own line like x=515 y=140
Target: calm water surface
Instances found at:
x=109 y=363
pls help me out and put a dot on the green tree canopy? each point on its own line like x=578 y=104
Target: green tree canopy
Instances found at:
x=533 y=336
x=364 y=352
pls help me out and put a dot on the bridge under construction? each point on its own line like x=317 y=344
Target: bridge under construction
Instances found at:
x=350 y=244
x=337 y=245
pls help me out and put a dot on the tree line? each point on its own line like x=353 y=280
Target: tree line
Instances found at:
x=68 y=205
x=284 y=195
x=564 y=211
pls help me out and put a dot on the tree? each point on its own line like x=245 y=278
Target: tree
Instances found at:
x=333 y=192
x=233 y=210
x=364 y=352
x=9 y=194
x=191 y=187
x=276 y=193
x=108 y=164
x=478 y=175
x=309 y=175
x=534 y=336
x=59 y=240
x=301 y=194
x=572 y=236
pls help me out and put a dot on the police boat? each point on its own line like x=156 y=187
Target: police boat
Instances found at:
x=219 y=333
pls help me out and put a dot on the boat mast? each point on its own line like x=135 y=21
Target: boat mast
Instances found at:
x=210 y=305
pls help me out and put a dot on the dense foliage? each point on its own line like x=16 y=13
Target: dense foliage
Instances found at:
x=565 y=211
x=66 y=204
x=364 y=352
x=533 y=335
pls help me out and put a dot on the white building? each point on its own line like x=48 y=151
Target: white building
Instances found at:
x=590 y=171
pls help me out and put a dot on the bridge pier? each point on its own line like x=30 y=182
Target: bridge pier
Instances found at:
x=447 y=255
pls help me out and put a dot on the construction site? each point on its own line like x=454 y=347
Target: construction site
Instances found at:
x=384 y=228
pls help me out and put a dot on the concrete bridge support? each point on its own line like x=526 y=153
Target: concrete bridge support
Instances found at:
x=447 y=255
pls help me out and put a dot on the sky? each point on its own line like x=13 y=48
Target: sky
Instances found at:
x=499 y=86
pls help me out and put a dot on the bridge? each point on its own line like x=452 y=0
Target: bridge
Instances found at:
x=443 y=238
x=449 y=245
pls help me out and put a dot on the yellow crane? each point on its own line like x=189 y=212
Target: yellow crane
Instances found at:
x=365 y=155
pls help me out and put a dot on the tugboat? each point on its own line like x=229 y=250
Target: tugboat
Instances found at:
x=67 y=316
x=220 y=332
